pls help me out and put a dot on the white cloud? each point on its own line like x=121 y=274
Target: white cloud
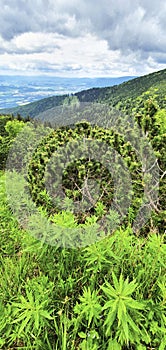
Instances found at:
x=84 y=38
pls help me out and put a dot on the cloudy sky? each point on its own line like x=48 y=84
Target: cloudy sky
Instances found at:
x=82 y=38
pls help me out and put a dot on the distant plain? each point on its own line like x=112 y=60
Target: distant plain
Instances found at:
x=20 y=90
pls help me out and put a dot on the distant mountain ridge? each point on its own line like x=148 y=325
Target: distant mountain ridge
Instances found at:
x=17 y=91
x=123 y=97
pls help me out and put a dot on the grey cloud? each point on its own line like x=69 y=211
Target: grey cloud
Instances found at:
x=129 y=26
x=18 y=17
x=13 y=49
x=134 y=27
x=160 y=57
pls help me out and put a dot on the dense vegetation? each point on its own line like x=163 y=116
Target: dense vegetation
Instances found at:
x=35 y=108
x=107 y=295
x=125 y=96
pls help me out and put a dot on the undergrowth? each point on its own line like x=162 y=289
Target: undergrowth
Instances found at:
x=110 y=295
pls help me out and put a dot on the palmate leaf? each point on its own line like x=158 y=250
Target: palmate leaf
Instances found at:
x=134 y=304
x=129 y=288
x=132 y=324
x=121 y=287
x=22 y=316
x=112 y=314
x=30 y=297
x=25 y=318
x=115 y=281
x=110 y=291
x=111 y=304
x=92 y=313
x=36 y=317
x=46 y=314
x=22 y=305
x=24 y=323
x=89 y=306
x=121 y=311
x=125 y=328
x=110 y=320
x=118 y=309
x=16 y=309
x=32 y=316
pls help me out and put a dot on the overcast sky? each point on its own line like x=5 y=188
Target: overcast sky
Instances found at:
x=82 y=38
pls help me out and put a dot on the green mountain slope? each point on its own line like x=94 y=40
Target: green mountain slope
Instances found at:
x=128 y=96
x=34 y=108
x=133 y=93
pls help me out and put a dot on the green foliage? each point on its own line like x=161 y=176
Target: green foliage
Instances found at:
x=9 y=128
x=89 y=307
x=30 y=310
x=109 y=295
x=76 y=175
x=13 y=127
x=160 y=119
x=84 y=180
x=90 y=341
x=122 y=309
x=64 y=219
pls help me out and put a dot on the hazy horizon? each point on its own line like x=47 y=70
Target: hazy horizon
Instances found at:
x=20 y=90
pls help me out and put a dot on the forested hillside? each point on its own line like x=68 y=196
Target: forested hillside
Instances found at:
x=125 y=96
x=83 y=221
x=129 y=97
